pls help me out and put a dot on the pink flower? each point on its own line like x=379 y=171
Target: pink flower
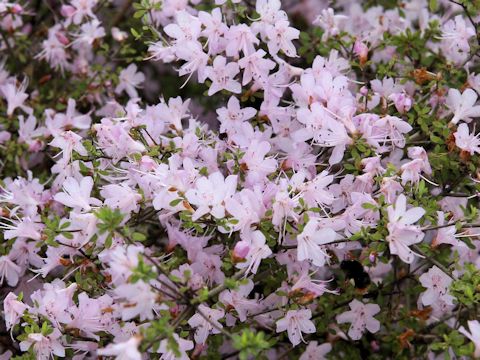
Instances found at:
x=361 y=317
x=203 y=326
x=121 y=261
x=259 y=250
x=446 y=235
x=121 y=197
x=333 y=134
x=90 y=316
x=331 y=23
x=127 y=350
x=222 y=76
x=417 y=152
x=310 y=241
x=77 y=194
x=15 y=96
x=129 y=80
x=140 y=300
x=455 y=37
x=295 y=323
x=210 y=193
x=44 y=347
x=246 y=207
x=54 y=302
x=315 y=351
x=437 y=284
x=186 y=28
x=214 y=30
x=238 y=300
x=183 y=347
x=315 y=287
x=269 y=11
x=9 y=271
x=26 y=227
x=233 y=115
x=208 y=265
x=89 y=32
x=13 y=310
x=59 y=122
x=315 y=192
x=240 y=38
x=68 y=141
x=255 y=67
x=280 y=37
x=462 y=105
x=466 y=141
x=473 y=335
x=257 y=165
x=411 y=171
x=401 y=231
x=82 y=8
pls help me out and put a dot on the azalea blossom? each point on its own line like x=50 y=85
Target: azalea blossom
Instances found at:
x=129 y=80
x=206 y=323
x=462 y=105
x=437 y=284
x=127 y=350
x=473 y=335
x=402 y=232
x=210 y=194
x=361 y=317
x=314 y=351
x=258 y=250
x=77 y=194
x=296 y=322
x=467 y=142
x=222 y=75
x=14 y=310
x=310 y=241
x=44 y=347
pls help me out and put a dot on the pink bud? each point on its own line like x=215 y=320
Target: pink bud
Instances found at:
x=364 y=90
x=372 y=257
x=375 y=346
x=35 y=146
x=67 y=10
x=4 y=136
x=361 y=50
x=241 y=250
x=16 y=9
x=62 y=38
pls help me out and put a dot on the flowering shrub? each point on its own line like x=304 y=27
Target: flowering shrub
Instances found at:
x=237 y=179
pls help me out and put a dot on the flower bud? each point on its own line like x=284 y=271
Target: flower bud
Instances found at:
x=240 y=251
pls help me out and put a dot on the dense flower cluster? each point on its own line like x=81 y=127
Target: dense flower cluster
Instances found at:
x=236 y=179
